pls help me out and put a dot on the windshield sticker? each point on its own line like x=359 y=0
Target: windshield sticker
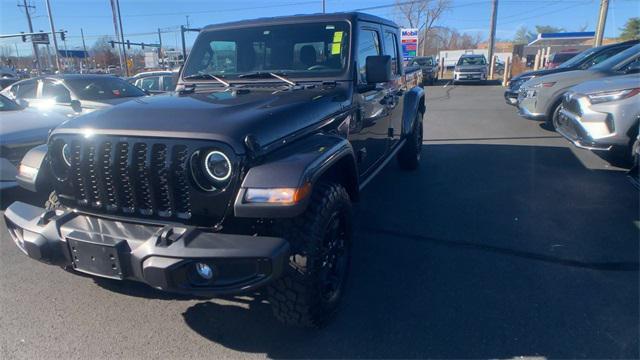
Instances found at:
x=335 y=49
x=337 y=36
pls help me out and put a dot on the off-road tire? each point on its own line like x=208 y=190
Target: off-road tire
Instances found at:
x=409 y=155
x=297 y=298
x=53 y=202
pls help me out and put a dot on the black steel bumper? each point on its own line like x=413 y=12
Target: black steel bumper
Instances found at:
x=162 y=256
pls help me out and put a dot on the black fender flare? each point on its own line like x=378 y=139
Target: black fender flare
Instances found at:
x=413 y=102
x=300 y=164
x=35 y=159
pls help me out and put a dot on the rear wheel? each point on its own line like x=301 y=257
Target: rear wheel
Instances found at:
x=314 y=281
x=410 y=154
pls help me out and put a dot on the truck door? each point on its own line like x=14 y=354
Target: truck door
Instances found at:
x=368 y=133
x=396 y=88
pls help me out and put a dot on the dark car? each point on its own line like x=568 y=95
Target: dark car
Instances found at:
x=155 y=82
x=72 y=94
x=8 y=76
x=556 y=59
x=241 y=179
x=429 y=66
x=582 y=61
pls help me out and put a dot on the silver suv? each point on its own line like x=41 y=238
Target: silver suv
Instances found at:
x=602 y=114
x=471 y=68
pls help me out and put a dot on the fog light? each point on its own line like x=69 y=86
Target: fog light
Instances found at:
x=204 y=271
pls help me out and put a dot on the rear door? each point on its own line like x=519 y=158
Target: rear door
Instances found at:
x=397 y=87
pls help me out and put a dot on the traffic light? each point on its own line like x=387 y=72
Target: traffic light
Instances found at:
x=128 y=44
x=24 y=37
x=63 y=37
x=113 y=44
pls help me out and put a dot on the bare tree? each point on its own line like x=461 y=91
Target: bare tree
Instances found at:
x=424 y=13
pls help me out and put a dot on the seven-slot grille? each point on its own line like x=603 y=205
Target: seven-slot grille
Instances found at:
x=131 y=177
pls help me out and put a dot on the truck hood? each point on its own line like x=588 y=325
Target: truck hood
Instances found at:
x=226 y=115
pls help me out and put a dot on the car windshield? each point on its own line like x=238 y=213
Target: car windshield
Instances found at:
x=474 y=60
x=578 y=59
x=616 y=59
x=7 y=104
x=296 y=50
x=422 y=61
x=103 y=88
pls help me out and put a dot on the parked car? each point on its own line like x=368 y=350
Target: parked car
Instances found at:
x=602 y=114
x=243 y=178
x=21 y=129
x=72 y=94
x=155 y=82
x=471 y=68
x=7 y=77
x=541 y=98
x=582 y=61
x=429 y=66
x=556 y=59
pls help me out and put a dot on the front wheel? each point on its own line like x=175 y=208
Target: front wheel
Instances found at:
x=552 y=120
x=314 y=281
x=410 y=154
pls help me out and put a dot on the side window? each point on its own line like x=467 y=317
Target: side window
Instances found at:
x=57 y=91
x=25 y=90
x=138 y=83
x=633 y=63
x=601 y=57
x=151 y=83
x=368 y=45
x=168 y=83
x=391 y=49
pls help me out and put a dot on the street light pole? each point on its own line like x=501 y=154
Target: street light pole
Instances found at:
x=124 y=51
x=35 y=46
x=492 y=35
x=53 y=35
x=84 y=46
x=160 y=48
x=115 y=27
x=602 y=19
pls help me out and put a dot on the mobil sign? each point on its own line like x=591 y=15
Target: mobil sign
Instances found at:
x=409 y=39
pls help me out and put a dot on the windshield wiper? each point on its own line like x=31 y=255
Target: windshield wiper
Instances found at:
x=259 y=74
x=207 y=76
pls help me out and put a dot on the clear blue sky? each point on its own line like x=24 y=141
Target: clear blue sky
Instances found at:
x=141 y=18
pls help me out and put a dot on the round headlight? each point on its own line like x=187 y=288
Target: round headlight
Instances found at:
x=66 y=154
x=217 y=165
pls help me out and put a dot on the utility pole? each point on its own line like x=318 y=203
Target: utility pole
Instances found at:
x=160 y=48
x=602 y=19
x=184 y=46
x=324 y=6
x=124 y=51
x=117 y=30
x=84 y=46
x=492 y=34
x=53 y=35
x=35 y=46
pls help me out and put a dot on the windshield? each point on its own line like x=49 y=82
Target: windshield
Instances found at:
x=8 y=105
x=476 y=60
x=576 y=60
x=422 y=61
x=296 y=50
x=105 y=88
x=616 y=59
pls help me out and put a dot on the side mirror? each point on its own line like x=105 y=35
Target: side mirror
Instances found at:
x=633 y=68
x=378 y=69
x=22 y=103
x=76 y=106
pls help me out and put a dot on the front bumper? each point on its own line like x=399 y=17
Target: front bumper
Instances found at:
x=527 y=108
x=511 y=97
x=162 y=256
x=571 y=128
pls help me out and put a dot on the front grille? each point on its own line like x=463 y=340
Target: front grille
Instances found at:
x=130 y=177
x=463 y=70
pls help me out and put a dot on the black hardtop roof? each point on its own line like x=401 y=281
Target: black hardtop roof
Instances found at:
x=350 y=16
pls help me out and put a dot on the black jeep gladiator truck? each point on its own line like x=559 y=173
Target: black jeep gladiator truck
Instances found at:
x=241 y=179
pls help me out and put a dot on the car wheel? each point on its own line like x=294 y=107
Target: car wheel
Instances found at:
x=409 y=155
x=314 y=281
x=553 y=119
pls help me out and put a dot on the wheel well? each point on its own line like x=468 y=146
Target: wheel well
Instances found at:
x=343 y=172
x=553 y=107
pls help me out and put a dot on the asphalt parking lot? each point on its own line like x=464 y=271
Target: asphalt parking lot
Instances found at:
x=507 y=242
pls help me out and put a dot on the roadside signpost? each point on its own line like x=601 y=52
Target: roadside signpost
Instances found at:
x=409 y=39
